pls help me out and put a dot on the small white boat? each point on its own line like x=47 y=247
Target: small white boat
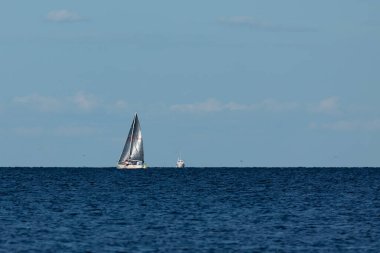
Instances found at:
x=132 y=156
x=180 y=163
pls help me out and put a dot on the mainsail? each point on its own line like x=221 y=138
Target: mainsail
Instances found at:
x=133 y=148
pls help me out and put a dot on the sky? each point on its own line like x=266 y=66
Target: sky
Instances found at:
x=253 y=83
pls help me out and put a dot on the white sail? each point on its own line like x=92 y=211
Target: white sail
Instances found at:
x=133 y=148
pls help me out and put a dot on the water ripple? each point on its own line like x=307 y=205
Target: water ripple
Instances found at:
x=195 y=209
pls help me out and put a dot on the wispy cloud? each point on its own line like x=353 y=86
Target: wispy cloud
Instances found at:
x=85 y=102
x=214 y=105
x=328 y=105
x=349 y=125
x=63 y=15
x=211 y=105
x=39 y=102
x=81 y=101
x=277 y=106
x=256 y=24
x=117 y=106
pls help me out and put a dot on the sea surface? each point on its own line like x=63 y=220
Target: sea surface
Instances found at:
x=190 y=210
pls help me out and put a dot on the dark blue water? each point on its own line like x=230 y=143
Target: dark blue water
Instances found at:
x=190 y=210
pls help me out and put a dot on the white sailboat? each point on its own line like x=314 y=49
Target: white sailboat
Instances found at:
x=180 y=163
x=132 y=156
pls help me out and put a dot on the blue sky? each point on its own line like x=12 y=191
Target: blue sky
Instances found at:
x=226 y=83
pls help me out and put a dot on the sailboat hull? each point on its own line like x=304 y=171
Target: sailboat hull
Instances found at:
x=131 y=166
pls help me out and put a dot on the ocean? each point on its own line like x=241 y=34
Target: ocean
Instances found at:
x=190 y=210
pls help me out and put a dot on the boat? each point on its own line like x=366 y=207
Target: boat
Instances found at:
x=132 y=156
x=180 y=163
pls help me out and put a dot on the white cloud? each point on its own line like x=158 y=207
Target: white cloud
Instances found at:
x=63 y=16
x=117 y=106
x=85 y=102
x=349 y=125
x=41 y=103
x=277 y=106
x=81 y=100
x=328 y=105
x=213 y=105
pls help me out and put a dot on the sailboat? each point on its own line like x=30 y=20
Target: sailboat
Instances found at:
x=132 y=156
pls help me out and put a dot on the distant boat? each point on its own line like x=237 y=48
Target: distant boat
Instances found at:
x=180 y=163
x=132 y=156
